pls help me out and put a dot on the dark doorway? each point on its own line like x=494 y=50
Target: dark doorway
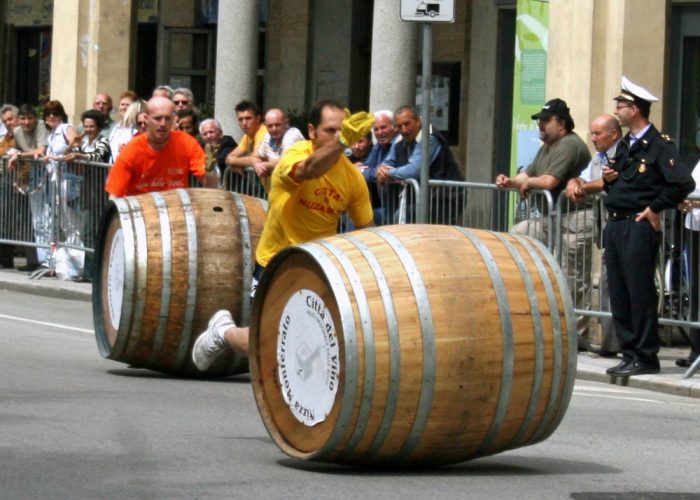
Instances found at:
x=682 y=107
x=504 y=90
x=146 y=50
x=33 y=65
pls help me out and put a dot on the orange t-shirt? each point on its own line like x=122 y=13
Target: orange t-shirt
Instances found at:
x=140 y=169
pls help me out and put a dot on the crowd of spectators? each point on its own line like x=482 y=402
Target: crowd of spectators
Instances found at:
x=81 y=155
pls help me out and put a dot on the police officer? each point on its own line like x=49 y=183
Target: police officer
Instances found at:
x=644 y=178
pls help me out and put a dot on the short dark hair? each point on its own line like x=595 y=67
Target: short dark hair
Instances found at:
x=317 y=109
x=644 y=110
x=26 y=110
x=248 y=106
x=184 y=113
x=94 y=115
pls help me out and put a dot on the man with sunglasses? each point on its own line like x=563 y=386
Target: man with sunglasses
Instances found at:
x=644 y=178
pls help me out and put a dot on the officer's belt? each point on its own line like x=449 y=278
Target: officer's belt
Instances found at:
x=621 y=215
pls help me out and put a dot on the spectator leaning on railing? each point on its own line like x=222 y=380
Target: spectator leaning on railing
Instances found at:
x=8 y=119
x=31 y=138
x=216 y=145
x=250 y=122
x=562 y=156
x=605 y=134
x=278 y=139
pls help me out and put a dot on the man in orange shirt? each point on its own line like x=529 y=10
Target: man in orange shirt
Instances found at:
x=160 y=159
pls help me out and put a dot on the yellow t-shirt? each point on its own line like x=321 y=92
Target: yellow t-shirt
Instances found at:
x=299 y=212
x=246 y=145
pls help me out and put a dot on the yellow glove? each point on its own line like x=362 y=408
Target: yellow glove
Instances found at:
x=355 y=127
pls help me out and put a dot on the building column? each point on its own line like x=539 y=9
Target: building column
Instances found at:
x=481 y=101
x=236 y=60
x=593 y=44
x=394 y=58
x=90 y=53
x=570 y=59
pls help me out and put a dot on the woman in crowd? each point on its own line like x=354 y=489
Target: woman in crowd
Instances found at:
x=61 y=136
x=93 y=149
x=125 y=100
x=126 y=129
x=142 y=121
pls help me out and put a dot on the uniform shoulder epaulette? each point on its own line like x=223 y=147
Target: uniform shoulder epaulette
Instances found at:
x=667 y=138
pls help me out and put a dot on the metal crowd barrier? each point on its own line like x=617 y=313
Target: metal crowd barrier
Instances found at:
x=397 y=202
x=52 y=206
x=248 y=183
x=576 y=242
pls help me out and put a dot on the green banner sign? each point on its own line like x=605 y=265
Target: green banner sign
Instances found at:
x=530 y=74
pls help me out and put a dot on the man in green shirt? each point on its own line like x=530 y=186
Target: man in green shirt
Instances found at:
x=562 y=156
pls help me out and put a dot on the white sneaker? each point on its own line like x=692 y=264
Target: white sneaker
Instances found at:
x=211 y=344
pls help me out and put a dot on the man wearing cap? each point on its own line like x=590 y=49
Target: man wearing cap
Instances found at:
x=643 y=179
x=562 y=156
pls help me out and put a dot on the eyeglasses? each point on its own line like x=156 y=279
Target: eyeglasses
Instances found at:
x=181 y=102
x=53 y=113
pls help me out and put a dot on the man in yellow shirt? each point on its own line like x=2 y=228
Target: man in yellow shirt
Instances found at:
x=250 y=121
x=312 y=185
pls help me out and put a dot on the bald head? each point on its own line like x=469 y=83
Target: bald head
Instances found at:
x=103 y=103
x=161 y=113
x=605 y=132
x=276 y=123
x=159 y=103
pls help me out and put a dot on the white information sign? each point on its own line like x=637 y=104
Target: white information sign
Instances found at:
x=433 y=11
x=308 y=358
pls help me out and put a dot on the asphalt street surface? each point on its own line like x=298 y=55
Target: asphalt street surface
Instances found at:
x=74 y=425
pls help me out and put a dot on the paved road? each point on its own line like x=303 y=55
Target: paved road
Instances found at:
x=73 y=425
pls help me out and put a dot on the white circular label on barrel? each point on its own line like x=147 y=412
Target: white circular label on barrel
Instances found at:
x=115 y=278
x=308 y=357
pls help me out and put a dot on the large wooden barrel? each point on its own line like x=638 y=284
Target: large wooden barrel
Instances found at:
x=412 y=344
x=166 y=261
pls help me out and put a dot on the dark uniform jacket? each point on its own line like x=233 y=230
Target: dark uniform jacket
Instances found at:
x=651 y=175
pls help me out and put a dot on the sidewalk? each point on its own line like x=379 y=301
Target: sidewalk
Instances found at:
x=590 y=367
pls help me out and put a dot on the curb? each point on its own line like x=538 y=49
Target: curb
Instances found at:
x=47 y=287
x=670 y=383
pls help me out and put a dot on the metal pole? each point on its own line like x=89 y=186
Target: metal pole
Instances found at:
x=426 y=84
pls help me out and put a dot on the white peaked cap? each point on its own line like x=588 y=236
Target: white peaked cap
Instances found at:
x=635 y=93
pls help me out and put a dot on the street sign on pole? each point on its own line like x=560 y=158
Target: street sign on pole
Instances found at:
x=428 y=11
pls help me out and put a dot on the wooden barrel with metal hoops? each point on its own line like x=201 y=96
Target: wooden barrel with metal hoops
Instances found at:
x=412 y=344
x=166 y=261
